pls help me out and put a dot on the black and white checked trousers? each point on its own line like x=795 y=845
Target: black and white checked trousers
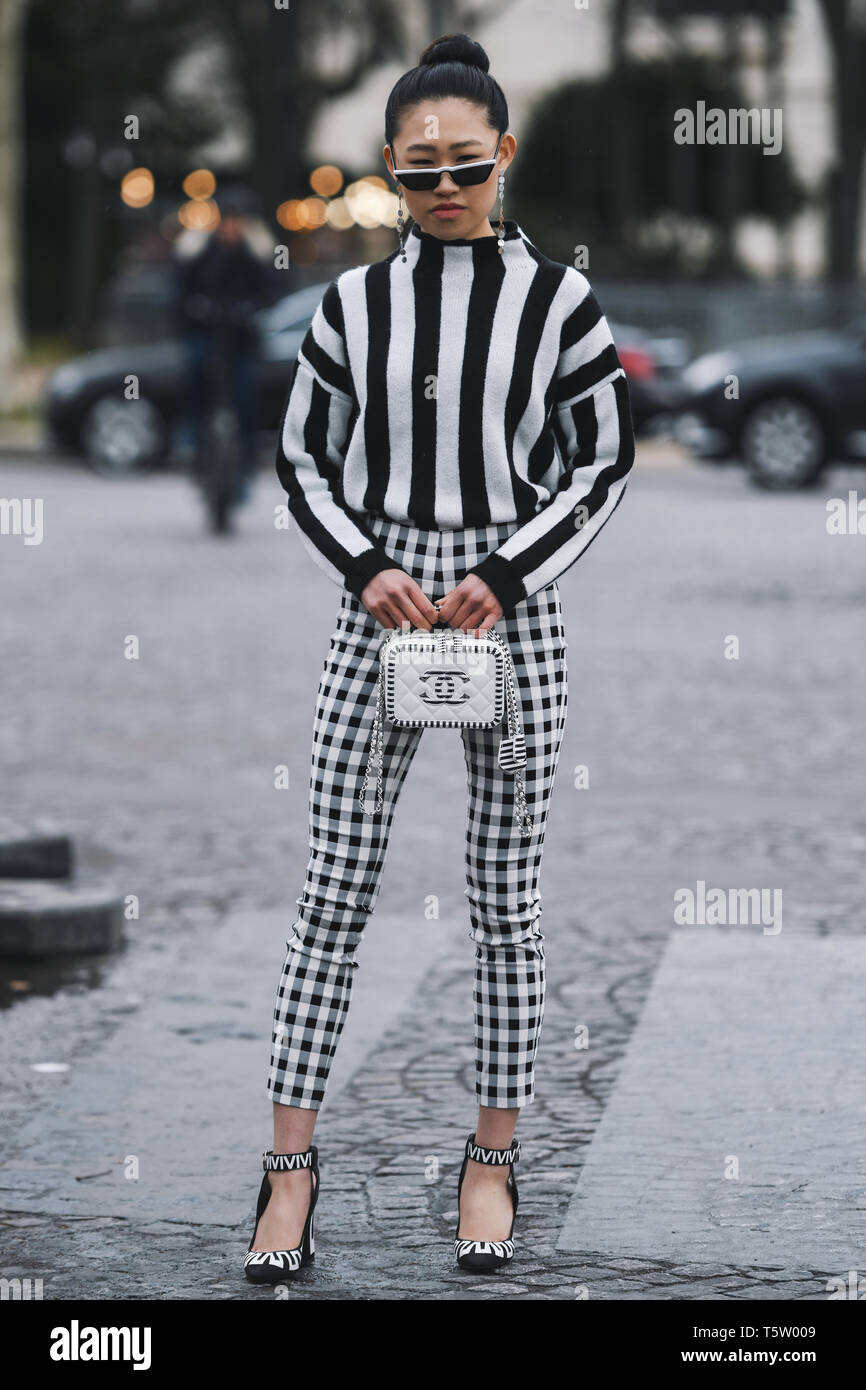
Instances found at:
x=348 y=846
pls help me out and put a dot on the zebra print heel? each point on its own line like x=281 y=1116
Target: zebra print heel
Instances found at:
x=272 y=1266
x=484 y=1255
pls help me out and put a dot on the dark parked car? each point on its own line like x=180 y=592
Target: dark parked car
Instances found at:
x=653 y=363
x=86 y=410
x=800 y=404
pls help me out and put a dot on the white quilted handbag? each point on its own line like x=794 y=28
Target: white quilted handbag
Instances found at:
x=446 y=678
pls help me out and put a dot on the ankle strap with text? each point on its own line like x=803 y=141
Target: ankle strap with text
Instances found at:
x=483 y=1155
x=281 y=1161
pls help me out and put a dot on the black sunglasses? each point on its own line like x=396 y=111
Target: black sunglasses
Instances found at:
x=425 y=180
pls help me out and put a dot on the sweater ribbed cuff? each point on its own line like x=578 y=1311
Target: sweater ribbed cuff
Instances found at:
x=365 y=566
x=499 y=576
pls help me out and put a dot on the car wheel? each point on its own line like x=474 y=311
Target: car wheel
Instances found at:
x=121 y=438
x=783 y=444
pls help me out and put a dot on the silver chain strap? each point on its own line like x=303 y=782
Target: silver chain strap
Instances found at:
x=377 y=737
x=377 y=745
x=514 y=730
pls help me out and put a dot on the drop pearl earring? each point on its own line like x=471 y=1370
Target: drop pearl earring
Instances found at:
x=501 y=227
x=400 y=223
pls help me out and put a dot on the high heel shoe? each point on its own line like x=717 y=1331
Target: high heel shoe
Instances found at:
x=482 y=1255
x=272 y=1266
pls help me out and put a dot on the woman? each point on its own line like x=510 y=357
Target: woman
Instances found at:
x=457 y=428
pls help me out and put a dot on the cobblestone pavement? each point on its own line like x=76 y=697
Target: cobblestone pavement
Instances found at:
x=734 y=772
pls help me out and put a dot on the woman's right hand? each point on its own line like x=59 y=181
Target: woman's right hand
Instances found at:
x=393 y=597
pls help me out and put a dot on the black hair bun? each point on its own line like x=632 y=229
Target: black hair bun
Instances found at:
x=455 y=48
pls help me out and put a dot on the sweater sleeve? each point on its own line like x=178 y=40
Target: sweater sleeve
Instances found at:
x=592 y=425
x=315 y=425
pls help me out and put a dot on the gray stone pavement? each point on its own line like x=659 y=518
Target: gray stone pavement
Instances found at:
x=735 y=773
x=751 y=1047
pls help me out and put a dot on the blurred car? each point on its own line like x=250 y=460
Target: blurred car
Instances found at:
x=653 y=364
x=800 y=404
x=86 y=411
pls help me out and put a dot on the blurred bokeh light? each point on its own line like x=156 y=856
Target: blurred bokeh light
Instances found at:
x=199 y=184
x=136 y=188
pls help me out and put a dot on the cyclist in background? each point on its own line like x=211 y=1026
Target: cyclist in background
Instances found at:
x=225 y=282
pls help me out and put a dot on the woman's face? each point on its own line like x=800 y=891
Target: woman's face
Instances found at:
x=450 y=131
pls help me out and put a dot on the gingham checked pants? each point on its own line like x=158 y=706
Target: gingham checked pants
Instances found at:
x=348 y=846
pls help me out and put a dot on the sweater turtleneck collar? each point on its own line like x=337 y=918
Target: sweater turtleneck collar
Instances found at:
x=424 y=250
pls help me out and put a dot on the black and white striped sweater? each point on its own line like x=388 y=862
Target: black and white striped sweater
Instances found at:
x=460 y=388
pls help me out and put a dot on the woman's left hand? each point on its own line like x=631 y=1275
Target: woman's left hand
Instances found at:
x=470 y=605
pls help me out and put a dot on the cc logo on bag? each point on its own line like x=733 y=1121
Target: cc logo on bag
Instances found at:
x=444 y=690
